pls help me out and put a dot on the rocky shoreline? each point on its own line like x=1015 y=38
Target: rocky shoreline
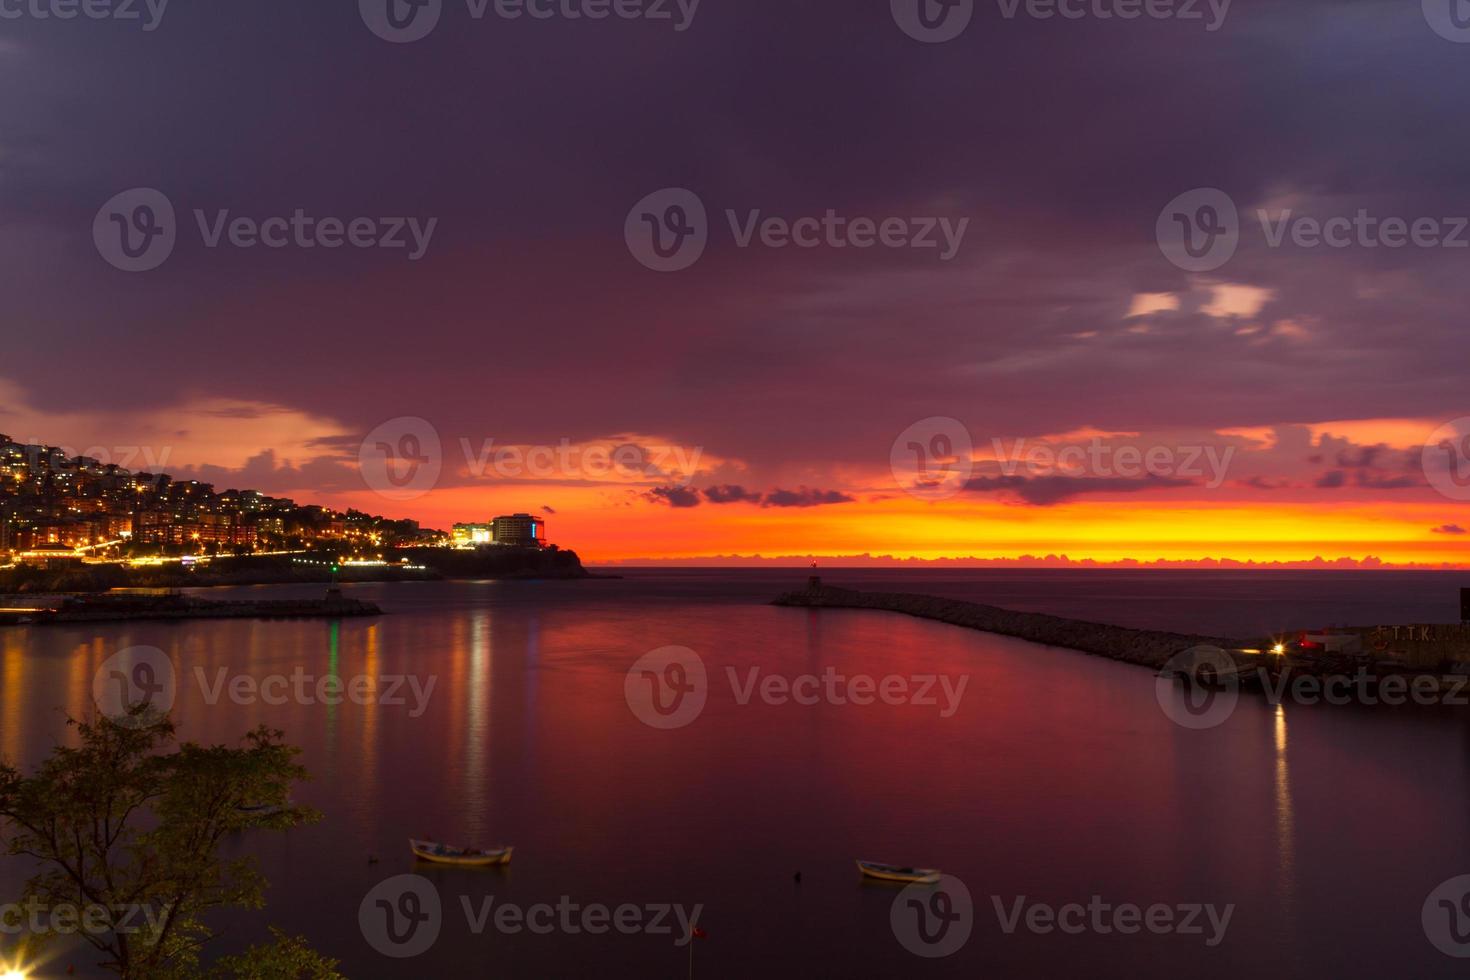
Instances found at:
x=428 y=564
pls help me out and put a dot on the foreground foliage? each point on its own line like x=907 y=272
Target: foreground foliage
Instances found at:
x=127 y=834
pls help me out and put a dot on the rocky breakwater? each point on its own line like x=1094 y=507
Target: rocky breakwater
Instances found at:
x=1146 y=648
x=115 y=607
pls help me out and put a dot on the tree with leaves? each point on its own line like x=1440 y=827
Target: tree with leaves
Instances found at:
x=126 y=829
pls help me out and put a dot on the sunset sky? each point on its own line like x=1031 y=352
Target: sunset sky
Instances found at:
x=1287 y=396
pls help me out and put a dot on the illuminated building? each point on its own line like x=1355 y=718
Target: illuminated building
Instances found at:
x=473 y=535
x=520 y=529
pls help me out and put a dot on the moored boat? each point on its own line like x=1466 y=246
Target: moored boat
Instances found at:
x=427 y=850
x=890 y=872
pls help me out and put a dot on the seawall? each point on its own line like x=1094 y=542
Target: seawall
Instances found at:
x=1146 y=648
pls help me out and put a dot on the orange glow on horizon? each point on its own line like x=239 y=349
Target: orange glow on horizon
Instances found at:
x=602 y=525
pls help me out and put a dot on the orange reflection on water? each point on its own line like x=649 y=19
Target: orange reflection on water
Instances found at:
x=1285 y=814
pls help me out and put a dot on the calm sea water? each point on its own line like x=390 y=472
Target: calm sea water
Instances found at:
x=1057 y=777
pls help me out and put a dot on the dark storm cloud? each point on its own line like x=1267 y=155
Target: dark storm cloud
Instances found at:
x=730 y=494
x=805 y=497
x=531 y=140
x=679 y=497
x=1044 y=491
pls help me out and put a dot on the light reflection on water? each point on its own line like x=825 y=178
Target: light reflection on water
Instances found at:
x=1058 y=778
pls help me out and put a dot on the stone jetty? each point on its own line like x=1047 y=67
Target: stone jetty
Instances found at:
x=168 y=604
x=1146 y=648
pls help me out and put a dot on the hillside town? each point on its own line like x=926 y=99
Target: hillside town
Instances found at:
x=56 y=507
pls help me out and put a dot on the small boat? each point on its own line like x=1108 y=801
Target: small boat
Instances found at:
x=889 y=872
x=427 y=850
